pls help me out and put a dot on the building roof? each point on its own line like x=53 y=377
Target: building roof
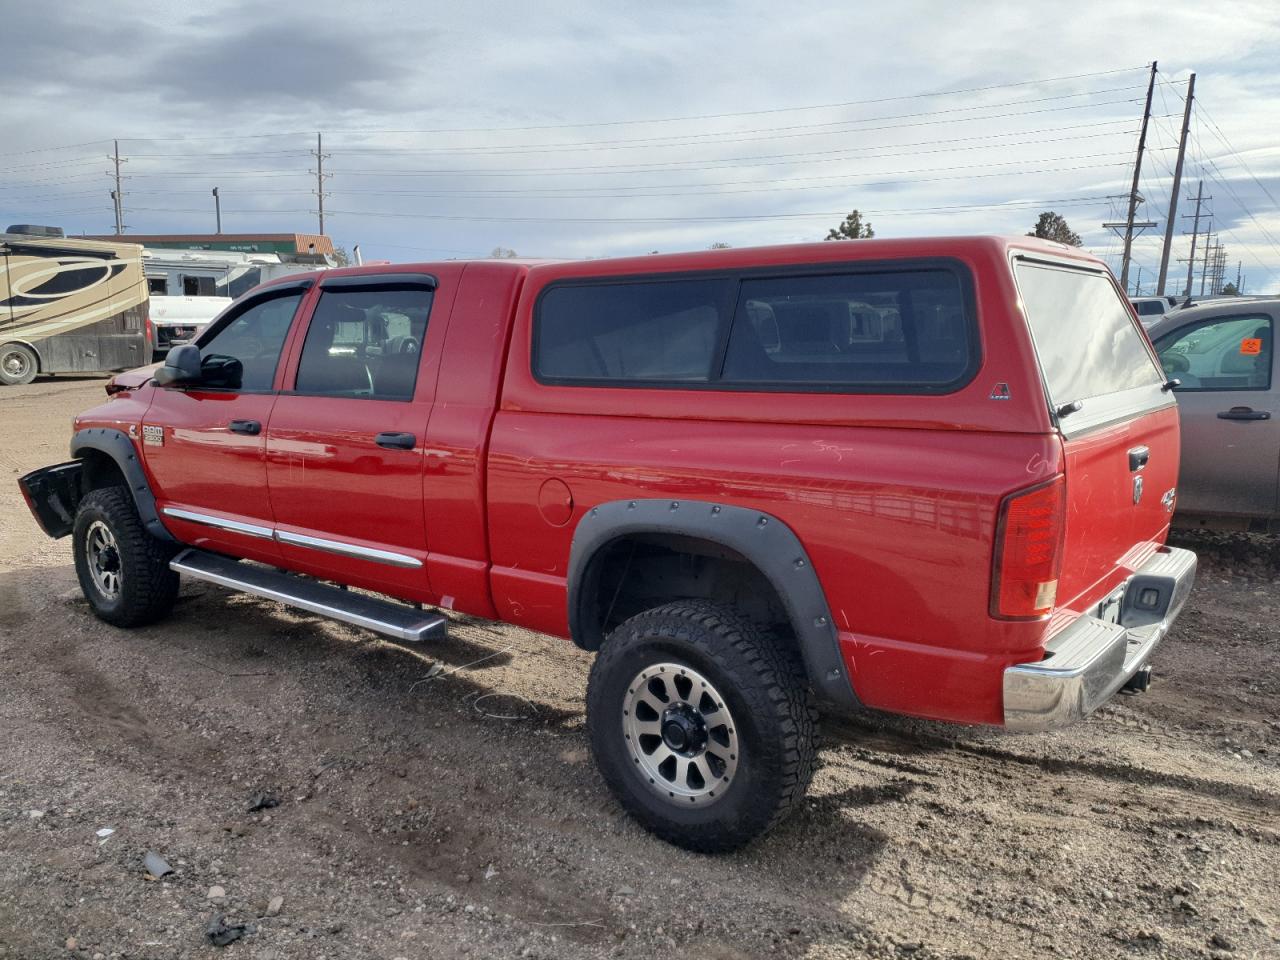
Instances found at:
x=242 y=242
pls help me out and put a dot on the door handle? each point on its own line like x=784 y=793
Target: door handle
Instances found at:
x=1138 y=457
x=396 y=441
x=250 y=427
x=1244 y=413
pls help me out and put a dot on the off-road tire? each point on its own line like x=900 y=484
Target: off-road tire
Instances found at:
x=762 y=681
x=18 y=364
x=147 y=587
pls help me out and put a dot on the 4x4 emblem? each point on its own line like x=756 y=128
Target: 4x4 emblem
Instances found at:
x=1137 y=490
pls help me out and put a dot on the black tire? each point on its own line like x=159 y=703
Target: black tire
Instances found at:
x=763 y=684
x=18 y=364
x=145 y=586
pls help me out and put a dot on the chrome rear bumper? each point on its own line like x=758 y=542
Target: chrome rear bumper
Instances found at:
x=1088 y=661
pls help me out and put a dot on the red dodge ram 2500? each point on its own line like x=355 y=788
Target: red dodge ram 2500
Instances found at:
x=932 y=477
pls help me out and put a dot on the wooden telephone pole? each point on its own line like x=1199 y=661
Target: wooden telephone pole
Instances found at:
x=1133 y=190
x=1177 y=188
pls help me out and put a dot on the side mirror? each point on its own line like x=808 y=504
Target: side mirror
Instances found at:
x=181 y=366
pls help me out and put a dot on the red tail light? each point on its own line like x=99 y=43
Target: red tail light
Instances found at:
x=148 y=331
x=1028 y=555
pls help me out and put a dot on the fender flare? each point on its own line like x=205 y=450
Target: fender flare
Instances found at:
x=117 y=445
x=762 y=538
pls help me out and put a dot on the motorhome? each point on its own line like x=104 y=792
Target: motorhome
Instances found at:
x=69 y=306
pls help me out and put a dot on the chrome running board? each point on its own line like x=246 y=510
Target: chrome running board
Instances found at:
x=382 y=616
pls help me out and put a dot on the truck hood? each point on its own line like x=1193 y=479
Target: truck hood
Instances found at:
x=131 y=379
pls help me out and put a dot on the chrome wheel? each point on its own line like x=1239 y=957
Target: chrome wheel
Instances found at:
x=680 y=733
x=104 y=559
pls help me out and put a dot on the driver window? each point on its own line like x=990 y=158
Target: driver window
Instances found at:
x=365 y=342
x=1230 y=353
x=242 y=354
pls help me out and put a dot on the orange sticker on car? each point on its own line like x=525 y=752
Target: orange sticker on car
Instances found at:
x=1251 y=346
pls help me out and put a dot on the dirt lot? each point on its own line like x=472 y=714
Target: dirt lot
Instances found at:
x=417 y=820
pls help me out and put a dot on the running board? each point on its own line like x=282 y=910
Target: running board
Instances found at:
x=383 y=616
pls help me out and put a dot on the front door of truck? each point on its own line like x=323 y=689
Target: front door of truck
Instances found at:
x=346 y=442
x=204 y=445
x=1230 y=413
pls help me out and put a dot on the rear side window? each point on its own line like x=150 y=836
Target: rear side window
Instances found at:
x=365 y=343
x=902 y=330
x=648 y=331
x=850 y=332
x=1087 y=341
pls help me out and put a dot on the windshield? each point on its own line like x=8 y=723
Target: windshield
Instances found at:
x=1084 y=334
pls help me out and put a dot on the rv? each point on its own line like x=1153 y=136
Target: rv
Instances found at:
x=69 y=306
x=190 y=287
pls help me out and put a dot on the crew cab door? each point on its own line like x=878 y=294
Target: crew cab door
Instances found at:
x=204 y=445
x=1230 y=413
x=345 y=443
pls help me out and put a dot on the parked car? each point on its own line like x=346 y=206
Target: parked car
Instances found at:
x=1223 y=354
x=932 y=477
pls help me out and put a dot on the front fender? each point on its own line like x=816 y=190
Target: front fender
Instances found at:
x=116 y=445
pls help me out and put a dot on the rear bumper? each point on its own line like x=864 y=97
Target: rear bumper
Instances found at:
x=1088 y=661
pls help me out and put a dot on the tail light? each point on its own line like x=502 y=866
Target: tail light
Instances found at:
x=148 y=330
x=1028 y=554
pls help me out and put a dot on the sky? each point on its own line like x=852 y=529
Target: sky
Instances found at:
x=588 y=130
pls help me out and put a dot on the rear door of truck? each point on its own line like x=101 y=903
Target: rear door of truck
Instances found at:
x=1119 y=425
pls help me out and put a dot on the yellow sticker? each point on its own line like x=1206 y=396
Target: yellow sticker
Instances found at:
x=1251 y=346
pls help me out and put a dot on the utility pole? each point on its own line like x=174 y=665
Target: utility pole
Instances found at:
x=217 y=210
x=1177 y=188
x=1208 y=247
x=1133 y=190
x=1239 y=281
x=117 y=195
x=1137 y=288
x=321 y=176
x=1195 y=231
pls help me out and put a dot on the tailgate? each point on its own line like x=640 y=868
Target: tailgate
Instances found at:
x=1119 y=425
x=1117 y=510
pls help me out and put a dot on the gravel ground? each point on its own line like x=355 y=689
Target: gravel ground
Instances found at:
x=459 y=816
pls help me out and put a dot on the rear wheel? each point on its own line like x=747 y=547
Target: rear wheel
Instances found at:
x=702 y=724
x=123 y=570
x=18 y=364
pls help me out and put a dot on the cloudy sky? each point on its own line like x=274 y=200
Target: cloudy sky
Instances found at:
x=575 y=129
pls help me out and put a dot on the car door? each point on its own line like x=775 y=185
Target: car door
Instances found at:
x=1229 y=412
x=346 y=441
x=205 y=445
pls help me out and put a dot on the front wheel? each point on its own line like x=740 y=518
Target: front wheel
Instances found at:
x=123 y=570
x=702 y=724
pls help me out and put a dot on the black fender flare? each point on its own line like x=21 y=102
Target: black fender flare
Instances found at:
x=760 y=537
x=117 y=445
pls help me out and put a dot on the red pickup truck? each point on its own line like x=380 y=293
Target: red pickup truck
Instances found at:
x=932 y=477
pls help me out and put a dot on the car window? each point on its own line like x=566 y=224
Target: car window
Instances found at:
x=643 y=331
x=247 y=349
x=851 y=332
x=1150 y=308
x=1223 y=353
x=365 y=343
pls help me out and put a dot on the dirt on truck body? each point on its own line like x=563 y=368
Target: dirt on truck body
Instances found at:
x=440 y=802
